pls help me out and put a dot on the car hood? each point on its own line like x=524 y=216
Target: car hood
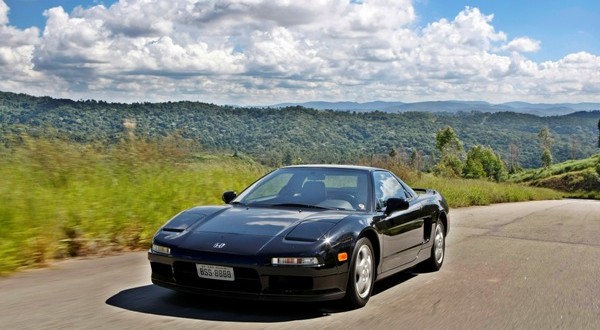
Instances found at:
x=247 y=230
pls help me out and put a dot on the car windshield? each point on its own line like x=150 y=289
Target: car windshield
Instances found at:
x=320 y=188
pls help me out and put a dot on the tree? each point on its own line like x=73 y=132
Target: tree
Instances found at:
x=546 y=142
x=288 y=159
x=546 y=158
x=598 y=133
x=473 y=168
x=573 y=147
x=484 y=162
x=546 y=139
x=393 y=153
x=451 y=148
x=450 y=166
x=514 y=154
x=447 y=142
x=416 y=160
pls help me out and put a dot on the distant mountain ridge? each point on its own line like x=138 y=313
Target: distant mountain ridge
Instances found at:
x=538 y=109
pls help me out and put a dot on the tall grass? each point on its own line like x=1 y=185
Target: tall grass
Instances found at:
x=465 y=192
x=61 y=199
x=556 y=169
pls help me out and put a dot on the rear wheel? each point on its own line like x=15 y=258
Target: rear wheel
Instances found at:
x=362 y=274
x=438 y=250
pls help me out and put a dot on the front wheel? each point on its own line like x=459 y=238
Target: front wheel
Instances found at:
x=438 y=250
x=362 y=274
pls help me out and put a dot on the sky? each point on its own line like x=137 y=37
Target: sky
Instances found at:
x=261 y=52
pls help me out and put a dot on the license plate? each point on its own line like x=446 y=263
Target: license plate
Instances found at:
x=215 y=272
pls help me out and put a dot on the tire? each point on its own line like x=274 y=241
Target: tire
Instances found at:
x=438 y=249
x=361 y=275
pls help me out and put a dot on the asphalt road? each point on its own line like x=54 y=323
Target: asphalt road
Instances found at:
x=533 y=265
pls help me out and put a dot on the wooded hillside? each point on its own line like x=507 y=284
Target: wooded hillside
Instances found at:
x=293 y=134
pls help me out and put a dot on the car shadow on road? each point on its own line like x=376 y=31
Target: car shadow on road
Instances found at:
x=152 y=299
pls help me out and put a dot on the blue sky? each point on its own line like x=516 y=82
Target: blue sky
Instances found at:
x=563 y=27
x=274 y=51
x=26 y=13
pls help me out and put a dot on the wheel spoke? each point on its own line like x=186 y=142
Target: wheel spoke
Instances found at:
x=363 y=271
x=439 y=245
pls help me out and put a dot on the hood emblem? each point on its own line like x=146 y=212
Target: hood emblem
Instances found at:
x=219 y=245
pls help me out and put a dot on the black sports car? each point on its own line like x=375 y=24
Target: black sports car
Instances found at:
x=313 y=232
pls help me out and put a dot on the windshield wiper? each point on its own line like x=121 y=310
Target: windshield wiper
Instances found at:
x=302 y=205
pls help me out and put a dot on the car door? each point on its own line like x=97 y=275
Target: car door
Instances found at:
x=402 y=230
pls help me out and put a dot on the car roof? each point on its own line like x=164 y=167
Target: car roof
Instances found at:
x=336 y=166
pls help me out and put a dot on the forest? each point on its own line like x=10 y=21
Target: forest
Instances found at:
x=282 y=136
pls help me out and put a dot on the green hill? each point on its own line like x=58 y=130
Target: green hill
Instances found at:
x=579 y=178
x=280 y=136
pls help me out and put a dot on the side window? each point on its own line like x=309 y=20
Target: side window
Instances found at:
x=386 y=187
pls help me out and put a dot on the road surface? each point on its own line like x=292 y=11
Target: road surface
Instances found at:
x=533 y=265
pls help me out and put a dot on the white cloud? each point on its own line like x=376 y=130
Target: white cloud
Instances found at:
x=268 y=51
x=470 y=29
x=3 y=13
x=16 y=53
x=522 y=45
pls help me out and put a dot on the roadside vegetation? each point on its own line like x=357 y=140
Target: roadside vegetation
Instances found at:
x=90 y=178
x=62 y=199
x=462 y=192
x=577 y=178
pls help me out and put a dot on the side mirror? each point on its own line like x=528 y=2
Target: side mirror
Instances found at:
x=395 y=204
x=228 y=196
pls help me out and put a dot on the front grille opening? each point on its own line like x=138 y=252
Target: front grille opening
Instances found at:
x=289 y=284
x=161 y=270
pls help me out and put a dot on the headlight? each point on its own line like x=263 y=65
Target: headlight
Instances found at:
x=161 y=249
x=295 y=261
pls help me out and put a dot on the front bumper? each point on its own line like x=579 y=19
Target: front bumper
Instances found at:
x=253 y=280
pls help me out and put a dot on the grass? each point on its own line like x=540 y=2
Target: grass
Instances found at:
x=556 y=169
x=466 y=192
x=461 y=192
x=577 y=178
x=61 y=199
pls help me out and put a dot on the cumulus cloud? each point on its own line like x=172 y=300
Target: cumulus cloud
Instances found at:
x=16 y=54
x=268 y=51
x=522 y=45
x=469 y=29
x=3 y=13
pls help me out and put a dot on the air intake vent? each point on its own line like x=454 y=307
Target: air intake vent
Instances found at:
x=173 y=230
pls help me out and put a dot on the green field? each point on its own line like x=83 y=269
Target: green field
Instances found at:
x=63 y=199
x=578 y=178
